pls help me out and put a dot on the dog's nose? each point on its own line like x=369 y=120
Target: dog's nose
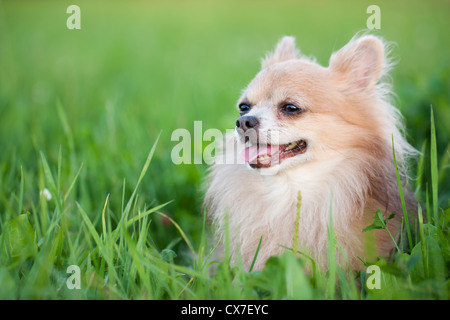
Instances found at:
x=247 y=122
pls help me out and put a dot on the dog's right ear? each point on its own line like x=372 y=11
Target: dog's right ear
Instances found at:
x=285 y=50
x=361 y=62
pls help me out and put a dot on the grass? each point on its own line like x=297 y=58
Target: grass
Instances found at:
x=86 y=177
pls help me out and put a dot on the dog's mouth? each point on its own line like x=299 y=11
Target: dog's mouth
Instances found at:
x=265 y=156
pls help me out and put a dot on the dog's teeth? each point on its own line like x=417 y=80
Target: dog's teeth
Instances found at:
x=263 y=157
x=291 y=146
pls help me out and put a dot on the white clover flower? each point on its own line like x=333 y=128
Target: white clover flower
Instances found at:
x=46 y=193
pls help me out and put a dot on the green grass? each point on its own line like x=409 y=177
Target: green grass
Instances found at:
x=87 y=115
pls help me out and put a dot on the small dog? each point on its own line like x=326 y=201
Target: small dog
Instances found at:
x=322 y=132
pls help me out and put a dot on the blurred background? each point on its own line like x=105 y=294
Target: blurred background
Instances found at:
x=137 y=69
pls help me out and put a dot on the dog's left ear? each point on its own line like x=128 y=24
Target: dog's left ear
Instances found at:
x=360 y=62
x=285 y=50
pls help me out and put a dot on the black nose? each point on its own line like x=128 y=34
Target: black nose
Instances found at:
x=247 y=122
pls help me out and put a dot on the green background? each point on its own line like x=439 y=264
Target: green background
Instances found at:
x=136 y=69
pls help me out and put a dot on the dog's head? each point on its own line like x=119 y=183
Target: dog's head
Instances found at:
x=295 y=110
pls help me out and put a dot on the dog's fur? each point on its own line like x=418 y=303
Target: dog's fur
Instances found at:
x=347 y=170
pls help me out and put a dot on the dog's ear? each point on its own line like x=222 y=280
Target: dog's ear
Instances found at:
x=285 y=50
x=360 y=62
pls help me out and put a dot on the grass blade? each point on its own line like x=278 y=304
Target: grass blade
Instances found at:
x=297 y=219
x=422 y=241
x=420 y=167
x=183 y=235
x=72 y=184
x=434 y=170
x=101 y=247
x=256 y=255
x=402 y=198
x=141 y=176
x=146 y=213
x=52 y=184
x=22 y=183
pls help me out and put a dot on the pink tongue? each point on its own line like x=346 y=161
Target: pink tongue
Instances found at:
x=249 y=154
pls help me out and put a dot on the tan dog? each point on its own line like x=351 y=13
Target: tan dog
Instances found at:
x=325 y=132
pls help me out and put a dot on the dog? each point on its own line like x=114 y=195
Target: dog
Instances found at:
x=318 y=139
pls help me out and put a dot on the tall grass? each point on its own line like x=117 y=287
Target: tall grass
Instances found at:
x=118 y=259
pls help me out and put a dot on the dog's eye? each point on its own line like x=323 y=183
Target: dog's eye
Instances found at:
x=290 y=108
x=244 y=108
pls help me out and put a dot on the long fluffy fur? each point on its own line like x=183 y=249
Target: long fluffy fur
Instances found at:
x=350 y=173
